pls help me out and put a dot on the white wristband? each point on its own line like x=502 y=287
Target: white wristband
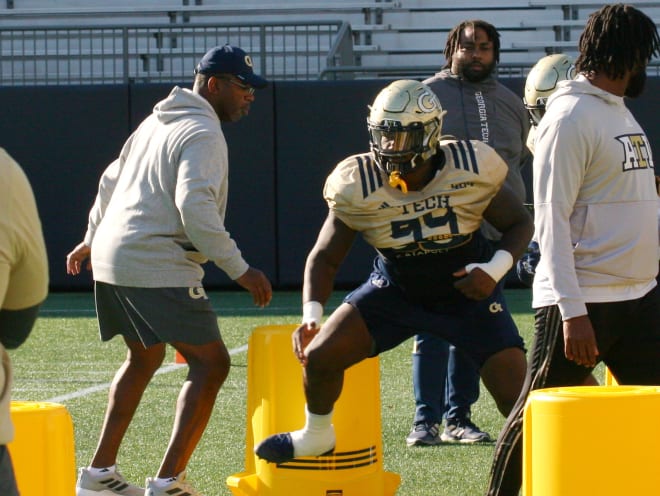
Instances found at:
x=498 y=266
x=312 y=313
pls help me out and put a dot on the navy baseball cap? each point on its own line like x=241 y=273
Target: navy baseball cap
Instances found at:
x=230 y=60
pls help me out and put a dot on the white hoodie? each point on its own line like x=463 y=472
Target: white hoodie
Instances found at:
x=594 y=200
x=161 y=205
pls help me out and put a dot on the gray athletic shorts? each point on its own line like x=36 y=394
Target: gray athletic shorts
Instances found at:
x=155 y=315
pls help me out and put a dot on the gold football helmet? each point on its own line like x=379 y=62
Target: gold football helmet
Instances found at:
x=404 y=126
x=542 y=82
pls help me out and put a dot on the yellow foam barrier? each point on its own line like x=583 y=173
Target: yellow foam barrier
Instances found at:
x=276 y=403
x=42 y=451
x=576 y=441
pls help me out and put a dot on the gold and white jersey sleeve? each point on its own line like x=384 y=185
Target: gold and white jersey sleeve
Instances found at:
x=438 y=217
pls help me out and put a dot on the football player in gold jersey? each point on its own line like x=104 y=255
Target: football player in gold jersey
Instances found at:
x=419 y=202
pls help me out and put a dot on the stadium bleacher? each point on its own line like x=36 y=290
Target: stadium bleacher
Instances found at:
x=90 y=52
x=92 y=41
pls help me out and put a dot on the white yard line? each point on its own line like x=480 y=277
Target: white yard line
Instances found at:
x=101 y=387
x=46 y=312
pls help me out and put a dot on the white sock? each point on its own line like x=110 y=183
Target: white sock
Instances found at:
x=317 y=437
x=97 y=471
x=161 y=482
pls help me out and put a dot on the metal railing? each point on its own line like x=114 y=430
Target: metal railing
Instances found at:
x=168 y=53
x=165 y=53
x=504 y=70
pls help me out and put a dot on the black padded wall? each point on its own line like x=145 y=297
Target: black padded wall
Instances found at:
x=318 y=124
x=63 y=137
x=279 y=156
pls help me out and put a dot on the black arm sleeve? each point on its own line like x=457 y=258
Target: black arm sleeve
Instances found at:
x=16 y=325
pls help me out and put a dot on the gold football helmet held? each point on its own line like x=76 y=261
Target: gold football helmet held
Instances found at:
x=542 y=82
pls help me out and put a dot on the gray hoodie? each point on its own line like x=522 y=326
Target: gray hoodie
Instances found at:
x=595 y=202
x=160 y=209
x=490 y=112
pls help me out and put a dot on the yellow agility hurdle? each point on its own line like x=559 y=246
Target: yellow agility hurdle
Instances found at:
x=571 y=444
x=276 y=403
x=43 y=452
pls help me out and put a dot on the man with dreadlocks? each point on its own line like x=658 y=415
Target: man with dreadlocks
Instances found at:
x=445 y=381
x=595 y=290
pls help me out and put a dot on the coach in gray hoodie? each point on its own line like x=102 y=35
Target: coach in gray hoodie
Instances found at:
x=478 y=108
x=158 y=215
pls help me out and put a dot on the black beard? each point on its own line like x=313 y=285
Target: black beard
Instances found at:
x=477 y=77
x=636 y=84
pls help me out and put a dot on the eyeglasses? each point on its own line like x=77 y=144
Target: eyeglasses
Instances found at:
x=244 y=87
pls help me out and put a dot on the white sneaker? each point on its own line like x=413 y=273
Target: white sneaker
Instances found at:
x=107 y=484
x=177 y=487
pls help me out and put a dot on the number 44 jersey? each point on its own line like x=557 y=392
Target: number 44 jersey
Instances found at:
x=423 y=236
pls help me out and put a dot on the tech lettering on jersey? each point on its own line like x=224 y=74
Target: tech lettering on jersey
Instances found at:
x=636 y=152
x=430 y=203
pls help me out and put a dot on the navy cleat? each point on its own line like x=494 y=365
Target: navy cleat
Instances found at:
x=277 y=448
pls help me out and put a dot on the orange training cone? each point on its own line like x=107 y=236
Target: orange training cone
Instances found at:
x=178 y=357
